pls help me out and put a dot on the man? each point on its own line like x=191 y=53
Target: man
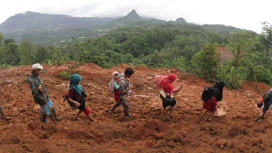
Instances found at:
x=124 y=90
x=39 y=93
x=266 y=101
x=2 y=113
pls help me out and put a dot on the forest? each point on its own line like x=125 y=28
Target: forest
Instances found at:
x=188 y=47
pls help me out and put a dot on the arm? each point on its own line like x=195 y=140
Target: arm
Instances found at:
x=177 y=89
x=116 y=85
x=74 y=102
x=122 y=89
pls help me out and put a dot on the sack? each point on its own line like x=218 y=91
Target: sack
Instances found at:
x=218 y=90
x=168 y=99
x=207 y=93
x=158 y=79
x=267 y=96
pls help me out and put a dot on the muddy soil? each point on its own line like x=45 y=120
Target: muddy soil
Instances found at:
x=232 y=129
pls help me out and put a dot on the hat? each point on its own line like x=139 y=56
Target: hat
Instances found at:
x=37 y=66
x=260 y=102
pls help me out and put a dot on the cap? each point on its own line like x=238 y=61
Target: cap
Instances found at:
x=37 y=66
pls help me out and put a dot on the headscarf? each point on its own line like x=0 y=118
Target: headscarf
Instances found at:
x=171 y=77
x=111 y=86
x=74 y=83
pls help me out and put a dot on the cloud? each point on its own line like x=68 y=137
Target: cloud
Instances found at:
x=241 y=14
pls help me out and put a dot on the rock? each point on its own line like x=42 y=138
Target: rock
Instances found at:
x=221 y=143
x=157 y=136
x=242 y=148
x=171 y=144
x=28 y=148
x=160 y=143
x=173 y=70
x=172 y=136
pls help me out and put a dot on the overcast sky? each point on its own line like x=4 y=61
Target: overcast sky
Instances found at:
x=245 y=14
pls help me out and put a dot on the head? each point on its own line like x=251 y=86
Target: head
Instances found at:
x=115 y=75
x=171 y=77
x=36 y=68
x=260 y=102
x=129 y=72
x=75 y=79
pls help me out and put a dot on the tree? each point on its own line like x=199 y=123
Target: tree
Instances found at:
x=266 y=41
x=205 y=62
x=27 y=53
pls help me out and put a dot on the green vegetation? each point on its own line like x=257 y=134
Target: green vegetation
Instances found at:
x=65 y=75
x=188 y=47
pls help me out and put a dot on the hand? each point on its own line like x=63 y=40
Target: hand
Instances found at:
x=40 y=88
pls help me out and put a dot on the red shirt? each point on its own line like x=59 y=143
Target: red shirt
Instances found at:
x=167 y=86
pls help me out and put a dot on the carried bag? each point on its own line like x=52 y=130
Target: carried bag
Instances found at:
x=169 y=99
x=207 y=93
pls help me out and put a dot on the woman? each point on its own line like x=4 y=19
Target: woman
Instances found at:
x=166 y=92
x=76 y=96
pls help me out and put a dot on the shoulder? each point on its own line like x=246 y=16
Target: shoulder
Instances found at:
x=122 y=82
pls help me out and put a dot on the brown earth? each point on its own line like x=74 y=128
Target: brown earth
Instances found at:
x=232 y=130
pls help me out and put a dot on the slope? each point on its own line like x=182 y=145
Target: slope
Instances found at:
x=147 y=131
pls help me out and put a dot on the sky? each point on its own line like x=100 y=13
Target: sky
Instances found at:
x=245 y=14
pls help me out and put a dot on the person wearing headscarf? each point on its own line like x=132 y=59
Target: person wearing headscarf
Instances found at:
x=39 y=93
x=114 y=88
x=76 y=96
x=166 y=92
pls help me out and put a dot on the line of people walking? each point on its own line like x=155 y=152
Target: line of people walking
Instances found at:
x=120 y=86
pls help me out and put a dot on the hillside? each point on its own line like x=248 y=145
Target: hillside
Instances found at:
x=232 y=129
x=52 y=29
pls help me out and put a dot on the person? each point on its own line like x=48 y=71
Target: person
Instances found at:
x=266 y=101
x=40 y=94
x=76 y=96
x=2 y=113
x=214 y=94
x=167 y=87
x=114 y=85
x=209 y=106
x=124 y=90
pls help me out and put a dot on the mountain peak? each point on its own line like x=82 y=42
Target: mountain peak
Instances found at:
x=180 y=20
x=133 y=14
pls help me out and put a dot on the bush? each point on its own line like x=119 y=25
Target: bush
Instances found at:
x=65 y=75
x=232 y=76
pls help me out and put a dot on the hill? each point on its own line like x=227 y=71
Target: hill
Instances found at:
x=52 y=29
x=232 y=129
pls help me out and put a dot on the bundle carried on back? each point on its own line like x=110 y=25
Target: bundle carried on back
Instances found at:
x=213 y=91
x=158 y=79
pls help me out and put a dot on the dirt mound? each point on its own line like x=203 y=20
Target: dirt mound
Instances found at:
x=232 y=129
